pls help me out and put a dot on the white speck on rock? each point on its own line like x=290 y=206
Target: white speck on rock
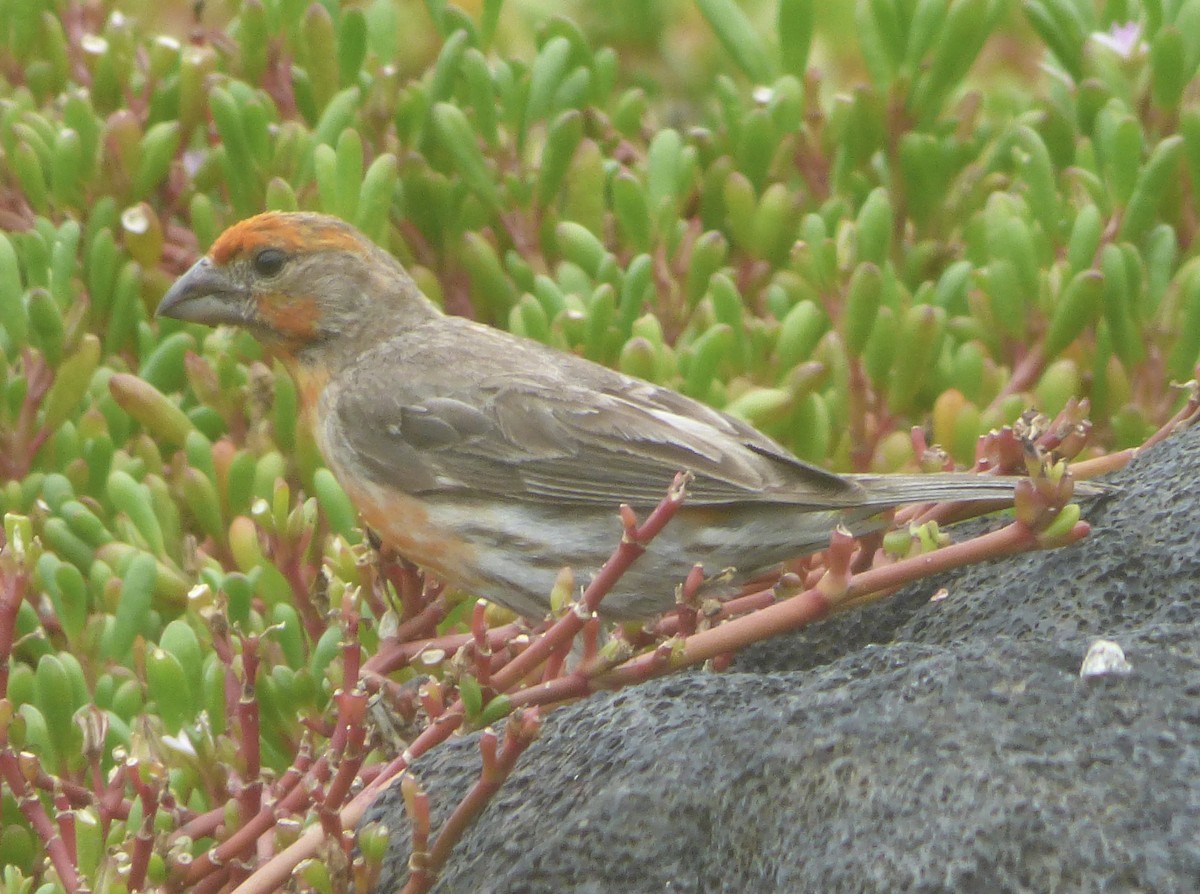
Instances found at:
x=1104 y=657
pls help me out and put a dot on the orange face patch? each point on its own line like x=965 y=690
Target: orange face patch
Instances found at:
x=293 y=317
x=291 y=233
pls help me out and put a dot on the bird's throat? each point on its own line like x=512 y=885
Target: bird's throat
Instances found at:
x=310 y=378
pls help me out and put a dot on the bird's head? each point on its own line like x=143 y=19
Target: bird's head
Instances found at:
x=298 y=282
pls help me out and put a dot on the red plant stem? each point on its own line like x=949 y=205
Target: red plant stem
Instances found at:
x=75 y=795
x=223 y=646
x=554 y=664
x=951 y=511
x=482 y=648
x=373 y=593
x=35 y=814
x=12 y=594
x=318 y=725
x=212 y=882
x=66 y=823
x=232 y=847
x=241 y=841
x=250 y=797
x=276 y=871
x=289 y=558
x=496 y=769
x=347 y=745
x=407 y=581
x=301 y=794
x=430 y=696
x=400 y=653
x=292 y=776
x=1025 y=373
x=488 y=750
x=328 y=820
x=201 y=826
x=351 y=647
x=771 y=621
x=416 y=805
x=590 y=636
x=97 y=775
x=479 y=623
x=1111 y=462
x=111 y=799
x=351 y=763
x=143 y=843
x=422 y=622
x=256 y=819
x=748 y=603
x=24 y=443
x=351 y=709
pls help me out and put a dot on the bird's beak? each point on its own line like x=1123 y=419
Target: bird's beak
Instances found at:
x=207 y=294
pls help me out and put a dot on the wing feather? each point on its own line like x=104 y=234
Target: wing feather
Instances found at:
x=558 y=429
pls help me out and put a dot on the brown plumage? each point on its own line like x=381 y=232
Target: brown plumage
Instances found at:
x=494 y=460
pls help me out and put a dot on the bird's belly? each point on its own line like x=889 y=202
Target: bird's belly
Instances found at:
x=518 y=549
x=512 y=553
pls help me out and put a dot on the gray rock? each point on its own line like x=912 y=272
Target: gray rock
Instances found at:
x=911 y=746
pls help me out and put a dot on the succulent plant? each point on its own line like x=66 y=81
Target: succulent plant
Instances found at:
x=836 y=226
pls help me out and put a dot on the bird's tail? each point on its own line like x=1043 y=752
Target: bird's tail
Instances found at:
x=883 y=491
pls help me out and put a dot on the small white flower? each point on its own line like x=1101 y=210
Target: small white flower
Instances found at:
x=180 y=743
x=1124 y=40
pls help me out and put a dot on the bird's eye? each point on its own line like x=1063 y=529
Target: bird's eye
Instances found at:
x=269 y=261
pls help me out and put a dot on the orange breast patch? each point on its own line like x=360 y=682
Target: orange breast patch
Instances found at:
x=310 y=383
x=403 y=522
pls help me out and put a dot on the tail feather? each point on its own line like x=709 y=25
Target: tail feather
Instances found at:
x=883 y=491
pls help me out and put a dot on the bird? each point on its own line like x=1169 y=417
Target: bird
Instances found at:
x=495 y=461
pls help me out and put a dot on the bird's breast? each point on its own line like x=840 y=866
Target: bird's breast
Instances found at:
x=311 y=380
x=412 y=527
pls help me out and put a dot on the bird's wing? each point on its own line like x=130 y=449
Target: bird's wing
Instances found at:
x=554 y=428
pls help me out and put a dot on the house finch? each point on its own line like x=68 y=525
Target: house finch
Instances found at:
x=495 y=461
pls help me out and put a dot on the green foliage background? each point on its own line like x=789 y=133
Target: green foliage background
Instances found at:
x=835 y=220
